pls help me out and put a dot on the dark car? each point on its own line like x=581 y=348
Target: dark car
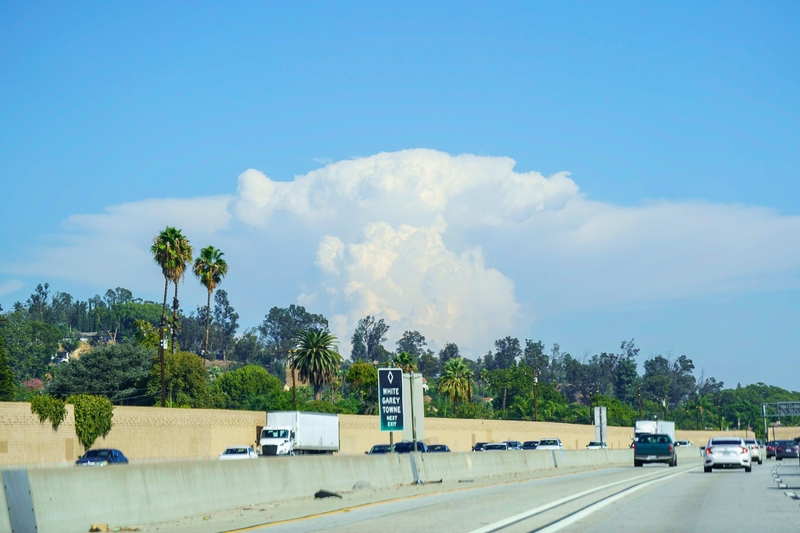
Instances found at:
x=785 y=449
x=513 y=444
x=102 y=457
x=479 y=446
x=379 y=449
x=408 y=447
x=530 y=444
x=771 y=448
x=438 y=448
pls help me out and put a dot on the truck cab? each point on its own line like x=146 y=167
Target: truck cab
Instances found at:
x=277 y=441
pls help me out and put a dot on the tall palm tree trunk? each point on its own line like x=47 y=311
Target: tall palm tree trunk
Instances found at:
x=161 y=341
x=208 y=325
x=175 y=319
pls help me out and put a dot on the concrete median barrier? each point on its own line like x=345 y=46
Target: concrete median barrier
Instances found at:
x=67 y=500
x=467 y=465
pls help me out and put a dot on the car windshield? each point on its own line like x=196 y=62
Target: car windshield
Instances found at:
x=593 y=443
x=548 y=442
x=236 y=451
x=381 y=448
x=785 y=443
x=495 y=447
x=531 y=443
x=97 y=454
x=750 y=441
x=275 y=434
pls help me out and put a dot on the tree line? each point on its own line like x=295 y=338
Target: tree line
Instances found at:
x=141 y=355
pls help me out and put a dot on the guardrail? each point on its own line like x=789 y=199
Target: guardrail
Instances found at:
x=66 y=500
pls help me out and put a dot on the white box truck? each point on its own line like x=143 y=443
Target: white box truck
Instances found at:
x=298 y=432
x=651 y=427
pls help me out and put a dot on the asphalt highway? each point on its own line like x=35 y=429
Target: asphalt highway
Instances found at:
x=653 y=499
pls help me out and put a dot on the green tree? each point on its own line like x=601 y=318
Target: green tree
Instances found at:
x=281 y=325
x=507 y=351
x=507 y=383
x=185 y=379
x=227 y=322
x=6 y=375
x=405 y=361
x=251 y=387
x=412 y=343
x=450 y=351
x=367 y=340
x=363 y=377
x=429 y=365
x=31 y=344
x=210 y=268
x=456 y=381
x=117 y=371
x=170 y=256
x=316 y=358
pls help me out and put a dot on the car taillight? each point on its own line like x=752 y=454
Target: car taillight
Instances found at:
x=708 y=451
x=755 y=447
x=744 y=450
x=670 y=448
x=634 y=446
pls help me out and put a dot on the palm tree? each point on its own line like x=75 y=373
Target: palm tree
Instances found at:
x=316 y=358
x=406 y=362
x=456 y=381
x=182 y=256
x=163 y=250
x=210 y=267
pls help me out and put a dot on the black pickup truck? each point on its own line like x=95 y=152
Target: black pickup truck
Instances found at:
x=657 y=448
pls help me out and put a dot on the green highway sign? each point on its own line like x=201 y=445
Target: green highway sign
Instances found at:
x=390 y=398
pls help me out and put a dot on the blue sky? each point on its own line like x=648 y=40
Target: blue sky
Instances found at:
x=681 y=115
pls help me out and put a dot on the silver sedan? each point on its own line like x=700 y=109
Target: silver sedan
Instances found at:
x=727 y=452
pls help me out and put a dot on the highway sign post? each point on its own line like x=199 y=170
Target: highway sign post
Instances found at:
x=390 y=398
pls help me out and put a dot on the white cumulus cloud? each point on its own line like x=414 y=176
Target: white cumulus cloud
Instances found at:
x=409 y=277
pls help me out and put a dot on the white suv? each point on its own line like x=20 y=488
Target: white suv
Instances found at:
x=550 y=444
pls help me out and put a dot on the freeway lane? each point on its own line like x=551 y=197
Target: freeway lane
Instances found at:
x=726 y=501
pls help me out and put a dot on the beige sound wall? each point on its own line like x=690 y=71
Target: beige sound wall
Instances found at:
x=153 y=433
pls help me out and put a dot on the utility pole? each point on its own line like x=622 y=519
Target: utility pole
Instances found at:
x=161 y=354
x=535 y=397
x=294 y=378
x=664 y=403
x=640 y=400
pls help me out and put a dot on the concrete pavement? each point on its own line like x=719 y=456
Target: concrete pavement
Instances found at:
x=685 y=500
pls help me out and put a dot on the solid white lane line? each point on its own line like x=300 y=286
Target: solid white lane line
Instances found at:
x=537 y=510
x=571 y=519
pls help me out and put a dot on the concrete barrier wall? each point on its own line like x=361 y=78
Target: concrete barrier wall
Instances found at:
x=69 y=499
